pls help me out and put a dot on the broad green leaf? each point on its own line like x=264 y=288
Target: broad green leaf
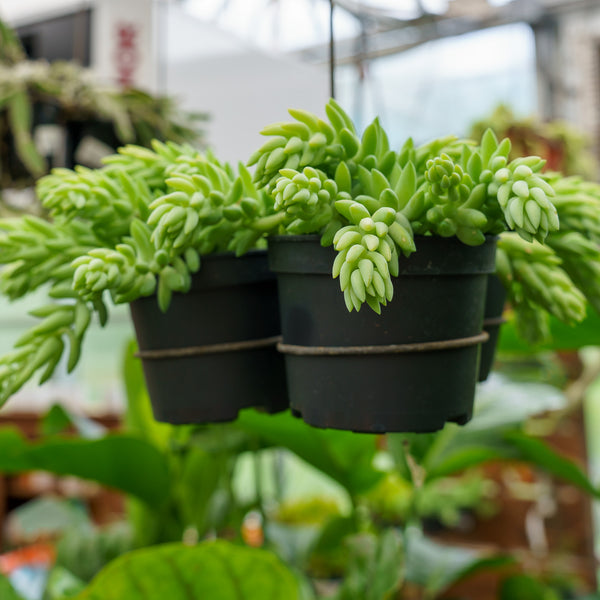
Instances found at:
x=346 y=457
x=117 y=460
x=58 y=420
x=201 y=473
x=217 y=569
x=436 y=566
x=502 y=403
x=501 y=406
x=525 y=587
x=514 y=445
x=466 y=458
x=539 y=453
x=6 y=590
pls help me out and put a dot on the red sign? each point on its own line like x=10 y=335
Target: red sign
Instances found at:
x=126 y=55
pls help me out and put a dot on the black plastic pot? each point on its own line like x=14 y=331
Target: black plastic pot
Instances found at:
x=413 y=367
x=214 y=351
x=492 y=321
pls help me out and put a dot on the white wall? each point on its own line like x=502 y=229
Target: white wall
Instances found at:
x=242 y=88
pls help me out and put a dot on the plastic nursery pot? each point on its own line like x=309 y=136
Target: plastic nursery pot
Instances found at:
x=413 y=367
x=214 y=351
x=492 y=320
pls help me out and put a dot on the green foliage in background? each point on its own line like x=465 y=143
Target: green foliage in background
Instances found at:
x=209 y=570
x=375 y=559
x=567 y=149
x=70 y=91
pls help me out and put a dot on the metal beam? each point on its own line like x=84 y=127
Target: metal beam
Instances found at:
x=394 y=36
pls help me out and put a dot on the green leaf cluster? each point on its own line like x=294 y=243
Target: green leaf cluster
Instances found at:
x=135 y=227
x=561 y=277
x=370 y=201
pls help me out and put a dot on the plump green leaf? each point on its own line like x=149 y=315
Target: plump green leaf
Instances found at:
x=563 y=336
x=117 y=460
x=344 y=456
x=210 y=570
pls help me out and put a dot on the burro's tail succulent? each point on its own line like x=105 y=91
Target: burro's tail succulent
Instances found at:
x=537 y=285
x=369 y=202
x=138 y=226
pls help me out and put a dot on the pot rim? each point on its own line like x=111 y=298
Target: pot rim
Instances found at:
x=435 y=255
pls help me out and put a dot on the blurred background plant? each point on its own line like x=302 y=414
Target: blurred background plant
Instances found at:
x=385 y=519
x=54 y=114
x=565 y=148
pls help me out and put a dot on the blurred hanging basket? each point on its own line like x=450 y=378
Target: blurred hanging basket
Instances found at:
x=64 y=95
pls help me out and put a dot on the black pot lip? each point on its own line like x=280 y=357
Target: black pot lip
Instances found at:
x=225 y=269
x=468 y=260
x=312 y=237
x=228 y=255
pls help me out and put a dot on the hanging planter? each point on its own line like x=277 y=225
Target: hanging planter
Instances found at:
x=492 y=321
x=413 y=367
x=213 y=352
x=407 y=235
x=164 y=230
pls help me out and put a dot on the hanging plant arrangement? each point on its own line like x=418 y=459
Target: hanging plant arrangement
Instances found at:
x=409 y=233
x=139 y=231
x=64 y=94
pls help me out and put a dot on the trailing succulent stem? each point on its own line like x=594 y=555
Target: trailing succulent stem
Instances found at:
x=369 y=201
x=136 y=227
x=572 y=254
x=537 y=282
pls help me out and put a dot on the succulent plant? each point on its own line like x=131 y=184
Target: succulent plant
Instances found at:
x=138 y=226
x=369 y=201
x=557 y=278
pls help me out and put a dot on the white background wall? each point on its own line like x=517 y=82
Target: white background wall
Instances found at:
x=243 y=89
